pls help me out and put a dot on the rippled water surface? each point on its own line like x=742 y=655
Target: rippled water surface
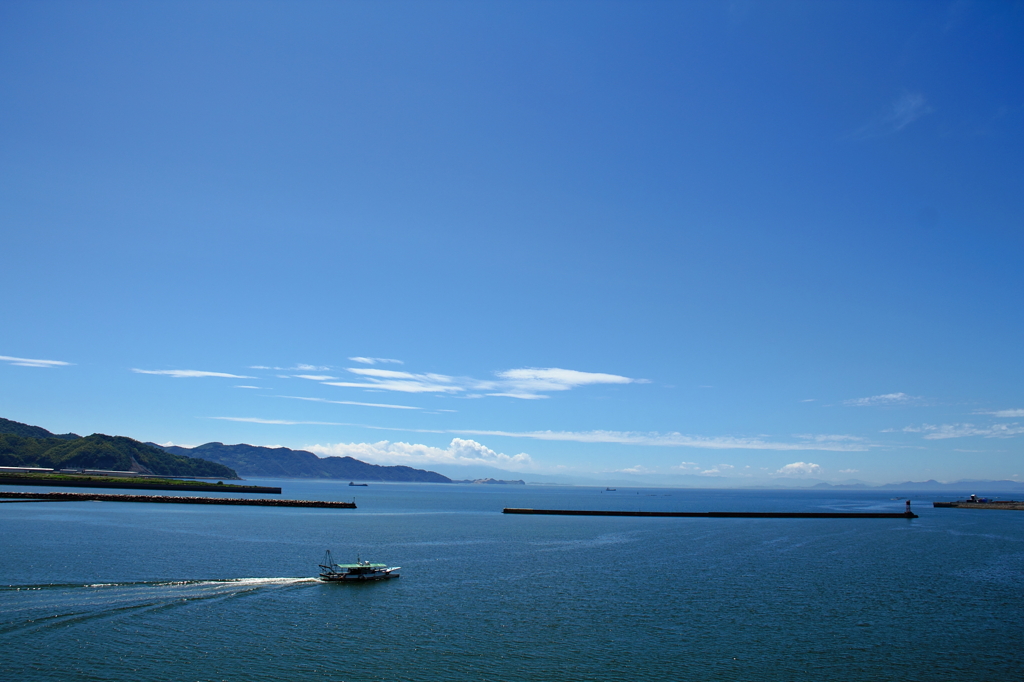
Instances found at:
x=106 y=590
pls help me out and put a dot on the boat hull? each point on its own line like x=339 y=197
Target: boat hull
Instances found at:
x=359 y=578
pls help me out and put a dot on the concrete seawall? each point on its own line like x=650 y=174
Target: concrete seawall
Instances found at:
x=721 y=515
x=98 y=482
x=173 y=499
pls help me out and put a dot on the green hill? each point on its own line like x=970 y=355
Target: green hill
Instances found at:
x=251 y=460
x=98 y=451
x=27 y=431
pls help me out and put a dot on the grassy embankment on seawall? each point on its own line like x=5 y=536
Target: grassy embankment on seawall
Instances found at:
x=148 y=483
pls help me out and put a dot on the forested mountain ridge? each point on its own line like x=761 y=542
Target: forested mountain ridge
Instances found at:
x=98 y=451
x=252 y=460
x=23 y=445
x=28 y=431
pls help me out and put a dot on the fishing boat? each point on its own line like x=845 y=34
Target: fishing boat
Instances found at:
x=360 y=571
x=362 y=485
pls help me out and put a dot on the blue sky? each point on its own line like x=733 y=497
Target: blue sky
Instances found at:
x=743 y=240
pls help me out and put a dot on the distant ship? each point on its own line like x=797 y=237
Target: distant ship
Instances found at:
x=361 y=571
x=358 y=484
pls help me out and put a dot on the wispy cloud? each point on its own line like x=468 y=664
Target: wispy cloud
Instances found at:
x=532 y=383
x=1005 y=413
x=189 y=373
x=279 y=422
x=28 y=362
x=258 y=388
x=799 y=469
x=525 y=384
x=848 y=471
x=828 y=443
x=944 y=431
x=829 y=437
x=882 y=400
x=297 y=422
x=460 y=451
x=350 y=402
x=903 y=111
x=824 y=443
x=404 y=382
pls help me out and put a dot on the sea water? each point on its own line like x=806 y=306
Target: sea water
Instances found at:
x=108 y=590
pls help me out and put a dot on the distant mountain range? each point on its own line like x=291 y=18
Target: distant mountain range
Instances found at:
x=251 y=460
x=22 y=445
x=928 y=485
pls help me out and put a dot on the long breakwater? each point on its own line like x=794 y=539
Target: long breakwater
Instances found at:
x=175 y=499
x=721 y=515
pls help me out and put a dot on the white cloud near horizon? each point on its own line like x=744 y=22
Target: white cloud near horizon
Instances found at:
x=460 y=451
x=638 y=469
x=886 y=399
x=717 y=470
x=189 y=373
x=800 y=469
x=29 y=362
x=687 y=466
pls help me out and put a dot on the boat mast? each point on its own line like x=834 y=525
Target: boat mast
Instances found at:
x=328 y=562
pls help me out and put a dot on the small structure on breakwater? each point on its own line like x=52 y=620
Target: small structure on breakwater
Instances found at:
x=975 y=502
